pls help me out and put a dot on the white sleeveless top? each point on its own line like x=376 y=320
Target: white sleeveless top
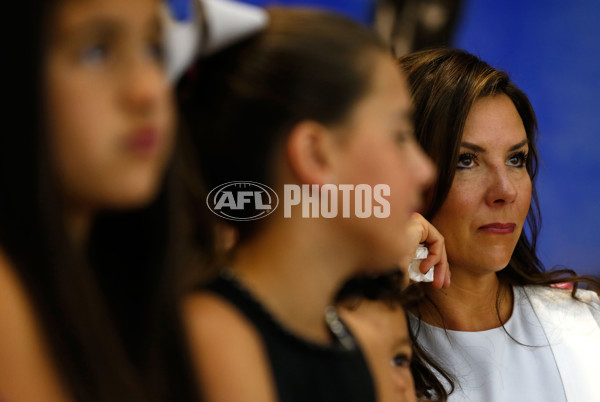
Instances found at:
x=492 y=367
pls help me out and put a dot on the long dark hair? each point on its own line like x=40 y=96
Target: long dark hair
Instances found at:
x=145 y=261
x=306 y=65
x=68 y=304
x=445 y=83
x=86 y=301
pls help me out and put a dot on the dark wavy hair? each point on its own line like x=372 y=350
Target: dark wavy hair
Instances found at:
x=388 y=288
x=444 y=84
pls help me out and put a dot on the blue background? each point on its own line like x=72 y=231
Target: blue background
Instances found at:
x=551 y=50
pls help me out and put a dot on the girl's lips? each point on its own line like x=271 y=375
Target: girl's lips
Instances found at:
x=499 y=228
x=144 y=140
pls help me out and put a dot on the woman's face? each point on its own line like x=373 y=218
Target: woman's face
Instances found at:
x=483 y=216
x=381 y=149
x=108 y=104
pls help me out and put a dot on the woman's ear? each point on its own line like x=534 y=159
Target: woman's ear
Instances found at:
x=310 y=150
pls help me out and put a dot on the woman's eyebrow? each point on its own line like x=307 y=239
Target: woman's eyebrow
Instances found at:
x=480 y=149
x=472 y=147
x=519 y=145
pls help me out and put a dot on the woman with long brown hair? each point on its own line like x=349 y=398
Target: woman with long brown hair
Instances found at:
x=501 y=329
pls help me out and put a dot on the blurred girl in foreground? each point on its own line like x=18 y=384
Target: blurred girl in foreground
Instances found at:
x=313 y=99
x=98 y=139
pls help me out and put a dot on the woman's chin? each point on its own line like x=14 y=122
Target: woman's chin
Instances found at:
x=496 y=264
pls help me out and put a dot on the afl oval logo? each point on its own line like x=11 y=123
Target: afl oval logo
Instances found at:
x=242 y=200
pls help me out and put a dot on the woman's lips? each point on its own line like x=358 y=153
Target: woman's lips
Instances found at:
x=499 y=228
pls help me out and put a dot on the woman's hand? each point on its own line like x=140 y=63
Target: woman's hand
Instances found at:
x=421 y=231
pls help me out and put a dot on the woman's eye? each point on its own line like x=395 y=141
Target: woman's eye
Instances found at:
x=466 y=160
x=518 y=160
x=401 y=360
x=94 y=54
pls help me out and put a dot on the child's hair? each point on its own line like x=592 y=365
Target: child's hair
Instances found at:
x=388 y=288
x=96 y=308
x=242 y=102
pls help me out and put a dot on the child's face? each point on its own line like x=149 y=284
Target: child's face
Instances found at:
x=381 y=149
x=108 y=105
x=389 y=325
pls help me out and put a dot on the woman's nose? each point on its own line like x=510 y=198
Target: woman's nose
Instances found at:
x=501 y=187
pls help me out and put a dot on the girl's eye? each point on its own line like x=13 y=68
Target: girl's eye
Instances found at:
x=466 y=160
x=156 y=51
x=518 y=160
x=94 y=54
x=401 y=360
x=404 y=135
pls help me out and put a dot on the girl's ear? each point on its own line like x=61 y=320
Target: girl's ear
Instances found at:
x=310 y=150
